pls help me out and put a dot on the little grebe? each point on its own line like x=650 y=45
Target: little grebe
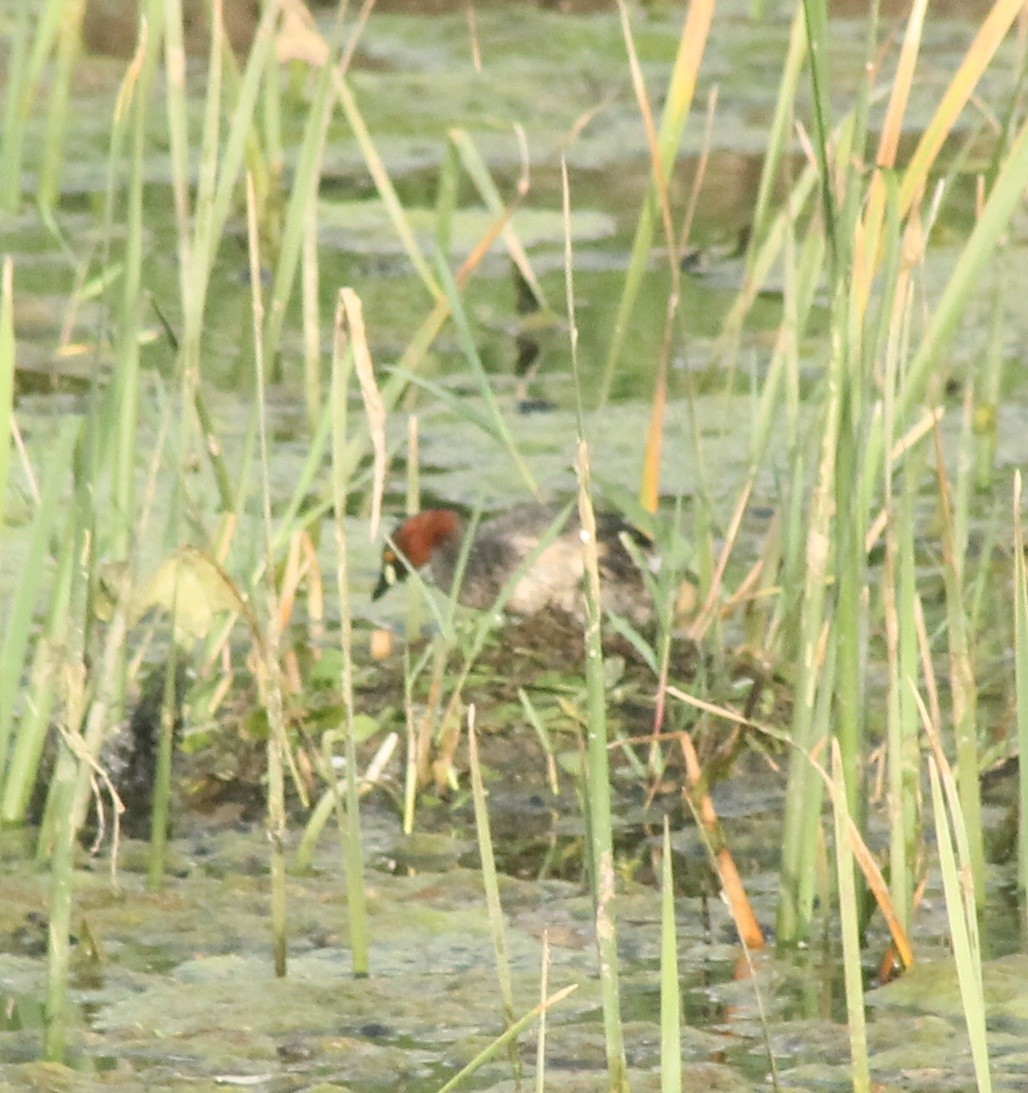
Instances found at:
x=501 y=545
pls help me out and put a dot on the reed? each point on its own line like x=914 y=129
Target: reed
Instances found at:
x=847 y=225
x=599 y=823
x=268 y=645
x=492 y=888
x=24 y=653
x=33 y=46
x=956 y=865
x=7 y=426
x=350 y=352
x=1021 y=681
x=680 y=89
x=304 y=190
x=544 y=986
x=849 y=921
x=670 y=993
x=508 y=1036
x=67 y=51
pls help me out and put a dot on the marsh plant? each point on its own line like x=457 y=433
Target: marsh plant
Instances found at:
x=153 y=540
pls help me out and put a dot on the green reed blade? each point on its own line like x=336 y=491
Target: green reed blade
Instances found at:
x=68 y=47
x=384 y=186
x=849 y=918
x=471 y=355
x=780 y=134
x=599 y=792
x=505 y=1038
x=804 y=793
x=58 y=963
x=492 y=887
x=18 y=617
x=16 y=107
x=350 y=346
x=303 y=194
x=1021 y=682
x=963 y=689
x=479 y=173
x=670 y=991
x=678 y=99
x=7 y=364
x=960 y=912
x=1004 y=199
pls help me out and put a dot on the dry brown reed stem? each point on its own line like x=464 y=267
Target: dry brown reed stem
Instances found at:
x=868 y=866
x=746 y=923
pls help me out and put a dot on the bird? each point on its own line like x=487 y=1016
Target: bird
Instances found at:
x=502 y=545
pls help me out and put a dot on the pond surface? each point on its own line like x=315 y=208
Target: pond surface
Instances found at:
x=175 y=989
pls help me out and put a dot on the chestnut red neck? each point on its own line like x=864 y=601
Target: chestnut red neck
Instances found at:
x=422 y=535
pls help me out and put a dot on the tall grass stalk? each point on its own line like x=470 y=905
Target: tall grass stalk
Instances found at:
x=803 y=798
x=699 y=800
x=62 y=865
x=350 y=347
x=849 y=917
x=963 y=688
x=507 y=1037
x=862 y=232
x=545 y=740
x=25 y=79
x=36 y=701
x=492 y=886
x=126 y=386
x=956 y=866
x=868 y=864
x=87 y=714
x=303 y=194
x=544 y=986
x=478 y=172
x=899 y=591
x=220 y=166
x=1021 y=684
x=7 y=424
x=310 y=281
x=268 y=635
x=597 y=763
x=50 y=651
x=990 y=381
x=1004 y=199
x=384 y=185
x=991 y=34
x=779 y=133
x=816 y=24
x=677 y=101
x=670 y=992
x=473 y=358
x=598 y=792
x=69 y=40
x=16 y=110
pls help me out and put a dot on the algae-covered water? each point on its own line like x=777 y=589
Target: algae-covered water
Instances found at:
x=175 y=989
